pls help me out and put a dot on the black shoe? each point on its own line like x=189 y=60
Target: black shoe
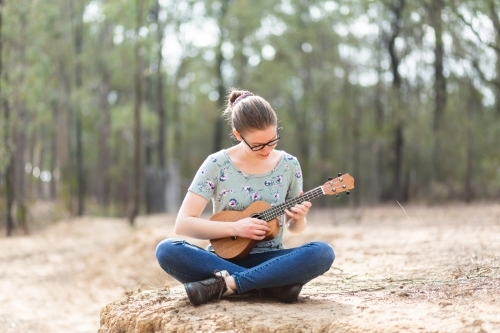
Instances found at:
x=204 y=291
x=285 y=294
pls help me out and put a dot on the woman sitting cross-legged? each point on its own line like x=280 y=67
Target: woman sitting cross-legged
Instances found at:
x=234 y=178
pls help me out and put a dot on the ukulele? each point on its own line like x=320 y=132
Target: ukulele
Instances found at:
x=237 y=248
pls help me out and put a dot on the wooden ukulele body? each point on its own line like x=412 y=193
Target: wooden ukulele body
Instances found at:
x=235 y=248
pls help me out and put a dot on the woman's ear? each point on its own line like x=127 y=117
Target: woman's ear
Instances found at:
x=236 y=135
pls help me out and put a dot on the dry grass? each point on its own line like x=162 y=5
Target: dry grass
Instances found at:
x=464 y=282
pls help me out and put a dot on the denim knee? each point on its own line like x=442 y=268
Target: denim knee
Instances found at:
x=165 y=249
x=324 y=254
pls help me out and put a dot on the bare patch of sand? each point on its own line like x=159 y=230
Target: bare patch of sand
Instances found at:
x=431 y=269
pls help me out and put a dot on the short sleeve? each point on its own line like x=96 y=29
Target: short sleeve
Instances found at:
x=206 y=178
x=295 y=177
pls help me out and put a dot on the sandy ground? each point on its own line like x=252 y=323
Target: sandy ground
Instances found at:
x=421 y=269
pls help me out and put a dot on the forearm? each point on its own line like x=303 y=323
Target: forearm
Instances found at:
x=190 y=224
x=199 y=228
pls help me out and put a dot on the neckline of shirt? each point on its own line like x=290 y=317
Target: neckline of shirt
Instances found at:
x=282 y=158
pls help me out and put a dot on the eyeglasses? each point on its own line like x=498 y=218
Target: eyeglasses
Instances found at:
x=271 y=143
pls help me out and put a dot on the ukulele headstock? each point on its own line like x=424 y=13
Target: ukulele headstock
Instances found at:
x=343 y=183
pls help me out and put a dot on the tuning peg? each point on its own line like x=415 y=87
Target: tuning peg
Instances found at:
x=340 y=174
x=330 y=178
x=347 y=193
x=338 y=196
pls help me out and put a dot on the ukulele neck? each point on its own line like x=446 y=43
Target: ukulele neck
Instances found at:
x=275 y=211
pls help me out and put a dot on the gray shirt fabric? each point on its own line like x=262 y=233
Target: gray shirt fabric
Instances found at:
x=220 y=181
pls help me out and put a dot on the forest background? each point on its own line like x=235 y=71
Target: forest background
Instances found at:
x=109 y=107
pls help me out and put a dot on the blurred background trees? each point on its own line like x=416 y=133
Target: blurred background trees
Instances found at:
x=109 y=106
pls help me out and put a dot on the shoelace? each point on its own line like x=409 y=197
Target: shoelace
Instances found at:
x=217 y=284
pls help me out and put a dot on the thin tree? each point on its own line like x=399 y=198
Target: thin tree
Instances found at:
x=104 y=163
x=138 y=96
x=396 y=10
x=9 y=173
x=221 y=89
x=435 y=9
x=18 y=134
x=77 y=29
x=162 y=116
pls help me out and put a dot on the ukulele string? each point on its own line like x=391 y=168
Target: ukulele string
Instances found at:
x=277 y=210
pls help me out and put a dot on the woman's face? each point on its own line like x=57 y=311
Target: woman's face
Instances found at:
x=259 y=143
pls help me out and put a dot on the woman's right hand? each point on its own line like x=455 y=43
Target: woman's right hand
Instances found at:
x=250 y=227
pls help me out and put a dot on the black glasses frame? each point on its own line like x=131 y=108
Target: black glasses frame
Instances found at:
x=271 y=143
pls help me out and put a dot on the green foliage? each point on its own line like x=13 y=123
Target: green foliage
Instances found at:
x=325 y=66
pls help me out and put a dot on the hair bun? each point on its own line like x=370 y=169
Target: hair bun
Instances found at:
x=238 y=95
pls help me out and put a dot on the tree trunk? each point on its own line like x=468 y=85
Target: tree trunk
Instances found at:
x=40 y=189
x=377 y=149
x=474 y=106
x=103 y=171
x=398 y=161
x=356 y=148
x=468 y=190
x=54 y=151
x=176 y=108
x=105 y=134
x=326 y=157
x=174 y=167
x=495 y=19
x=77 y=18
x=162 y=119
x=219 y=122
x=9 y=189
x=65 y=122
x=9 y=173
x=19 y=175
x=137 y=119
x=160 y=100
x=304 y=118
x=150 y=181
x=398 y=107
x=435 y=11
x=79 y=165
x=18 y=134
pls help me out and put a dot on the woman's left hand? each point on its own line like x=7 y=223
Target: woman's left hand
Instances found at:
x=299 y=211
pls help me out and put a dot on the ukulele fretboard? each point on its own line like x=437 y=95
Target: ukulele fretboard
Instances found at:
x=275 y=211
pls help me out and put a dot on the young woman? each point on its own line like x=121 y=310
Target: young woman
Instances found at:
x=253 y=170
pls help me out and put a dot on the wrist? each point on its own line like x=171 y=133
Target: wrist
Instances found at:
x=302 y=219
x=297 y=226
x=294 y=221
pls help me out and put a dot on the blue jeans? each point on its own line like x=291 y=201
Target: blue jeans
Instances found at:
x=189 y=263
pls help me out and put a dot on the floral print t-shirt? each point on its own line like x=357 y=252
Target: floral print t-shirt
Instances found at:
x=219 y=180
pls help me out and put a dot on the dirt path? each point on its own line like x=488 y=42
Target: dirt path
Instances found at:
x=427 y=270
